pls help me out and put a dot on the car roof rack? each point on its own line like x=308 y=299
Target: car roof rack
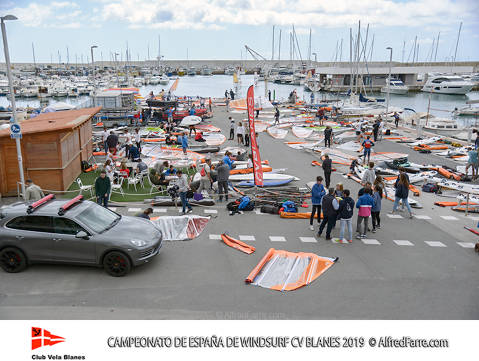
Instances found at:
x=70 y=204
x=35 y=205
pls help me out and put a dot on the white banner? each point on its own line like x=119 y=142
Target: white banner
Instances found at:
x=236 y=340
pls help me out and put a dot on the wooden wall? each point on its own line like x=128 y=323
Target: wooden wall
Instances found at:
x=52 y=160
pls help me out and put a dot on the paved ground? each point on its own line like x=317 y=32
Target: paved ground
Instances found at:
x=422 y=268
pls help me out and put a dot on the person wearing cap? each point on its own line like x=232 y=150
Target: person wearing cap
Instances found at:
x=33 y=192
x=102 y=189
x=146 y=213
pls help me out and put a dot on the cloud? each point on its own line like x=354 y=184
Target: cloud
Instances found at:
x=55 y=14
x=188 y=14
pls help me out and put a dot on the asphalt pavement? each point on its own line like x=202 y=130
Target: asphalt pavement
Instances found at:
x=420 y=268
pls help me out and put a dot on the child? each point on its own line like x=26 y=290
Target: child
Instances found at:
x=364 y=203
x=345 y=215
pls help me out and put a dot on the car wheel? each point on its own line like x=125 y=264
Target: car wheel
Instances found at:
x=116 y=264
x=12 y=260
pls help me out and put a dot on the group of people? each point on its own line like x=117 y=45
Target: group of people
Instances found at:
x=337 y=203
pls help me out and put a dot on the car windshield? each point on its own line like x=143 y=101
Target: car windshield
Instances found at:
x=98 y=218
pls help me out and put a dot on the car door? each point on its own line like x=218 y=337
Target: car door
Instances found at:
x=33 y=235
x=67 y=247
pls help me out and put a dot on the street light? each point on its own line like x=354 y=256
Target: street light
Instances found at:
x=389 y=76
x=315 y=57
x=12 y=96
x=93 y=65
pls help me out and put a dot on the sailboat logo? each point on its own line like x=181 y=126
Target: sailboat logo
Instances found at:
x=42 y=337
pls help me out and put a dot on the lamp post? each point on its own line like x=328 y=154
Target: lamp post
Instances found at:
x=389 y=76
x=315 y=57
x=12 y=96
x=93 y=65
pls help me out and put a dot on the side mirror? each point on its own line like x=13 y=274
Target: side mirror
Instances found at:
x=82 y=234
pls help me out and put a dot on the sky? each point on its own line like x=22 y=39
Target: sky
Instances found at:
x=219 y=29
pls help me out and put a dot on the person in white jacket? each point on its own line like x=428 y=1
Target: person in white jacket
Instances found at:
x=369 y=175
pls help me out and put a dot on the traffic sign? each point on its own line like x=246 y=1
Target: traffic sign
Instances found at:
x=15 y=131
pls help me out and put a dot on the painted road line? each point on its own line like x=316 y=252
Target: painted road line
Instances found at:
x=112 y=209
x=394 y=215
x=449 y=218
x=134 y=209
x=370 y=241
x=466 y=244
x=435 y=244
x=422 y=216
x=403 y=242
x=160 y=210
x=308 y=239
x=277 y=239
x=215 y=236
x=211 y=211
x=246 y=238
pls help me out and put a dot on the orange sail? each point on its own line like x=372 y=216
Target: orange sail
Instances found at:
x=174 y=86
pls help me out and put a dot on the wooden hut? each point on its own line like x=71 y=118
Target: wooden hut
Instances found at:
x=53 y=147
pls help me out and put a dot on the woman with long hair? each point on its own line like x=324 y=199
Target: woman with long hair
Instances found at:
x=402 y=193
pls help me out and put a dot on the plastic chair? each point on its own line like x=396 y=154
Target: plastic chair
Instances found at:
x=84 y=188
x=118 y=187
x=134 y=181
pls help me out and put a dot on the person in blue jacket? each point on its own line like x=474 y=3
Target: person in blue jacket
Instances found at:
x=317 y=194
x=193 y=110
x=365 y=203
x=227 y=160
x=184 y=142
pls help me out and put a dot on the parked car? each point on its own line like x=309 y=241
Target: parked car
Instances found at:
x=74 y=232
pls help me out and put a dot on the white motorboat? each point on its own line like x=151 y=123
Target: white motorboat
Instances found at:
x=154 y=80
x=4 y=87
x=441 y=126
x=206 y=71
x=312 y=85
x=396 y=86
x=164 y=80
x=447 y=84
x=30 y=92
x=469 y=109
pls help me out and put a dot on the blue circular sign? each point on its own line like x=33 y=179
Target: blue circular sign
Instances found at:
x=15 y=128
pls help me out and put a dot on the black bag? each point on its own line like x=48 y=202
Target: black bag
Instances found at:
x=85 y=165
x=430 y=188
x=388 y=132
x=232 y=206
x=270 y=208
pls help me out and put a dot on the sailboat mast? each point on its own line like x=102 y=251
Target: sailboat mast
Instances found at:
x=437 y=46
x=272 y=46
x=34 y=62
x=457 y=42
x=279 y=45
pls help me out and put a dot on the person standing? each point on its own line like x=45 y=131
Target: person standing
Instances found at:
x=276 y=115
x=321 y=116
x=377 y=196
x=232 y=128
x=269 y=95
x=240 y=133
x=227 y=102
x=169 y=112
x=402 y=194
x=138 y=138
x=232 y=94
x=227 y=160
x=184 y=142
x=33 y=192
x=317 y=194
x=396 y=119
x=367 y=145
x=182 y=184
x=376 y=127
x=330 y=206
x=380 y=182
x=357 y=128
x=102 y=189
x=328 y=134
x=104 y=136
x=327 y=168
x=369 y=175
x=246 y=134
x=472 y=161
x=223 y=175
x=210 y=104
x=112 y=141
x=128 y=143
x=205 y=180
x=226 y=94
x=312 y=97
x=365 y=203
x=345 y=215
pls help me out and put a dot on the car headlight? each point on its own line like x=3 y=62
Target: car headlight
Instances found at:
x=138 y=242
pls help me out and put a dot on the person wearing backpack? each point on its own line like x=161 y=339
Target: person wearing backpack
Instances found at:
x=402 y=193
x=345 y=216
x=377 y=196
x=317 y=194
x=367 y=145
x=365 y=203
x=330 y=206
x=205 y=180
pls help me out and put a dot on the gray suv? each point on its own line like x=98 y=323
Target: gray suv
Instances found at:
x=74 y=232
